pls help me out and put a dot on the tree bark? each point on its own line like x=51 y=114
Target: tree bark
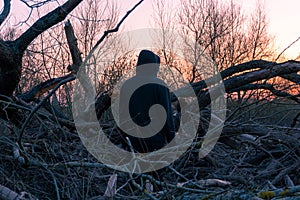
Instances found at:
x=10 y=68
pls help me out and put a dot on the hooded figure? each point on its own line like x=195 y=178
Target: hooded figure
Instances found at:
x=153 y=92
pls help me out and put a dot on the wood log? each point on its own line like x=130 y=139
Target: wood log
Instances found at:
x=242 y=81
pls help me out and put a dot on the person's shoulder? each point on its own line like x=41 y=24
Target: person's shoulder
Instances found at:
x=160 y=82
x=129 y=81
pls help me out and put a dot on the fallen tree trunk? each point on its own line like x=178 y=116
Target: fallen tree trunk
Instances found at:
x=232 y=83
x=243 y=81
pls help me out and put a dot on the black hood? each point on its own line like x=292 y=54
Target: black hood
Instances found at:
x=148 y=63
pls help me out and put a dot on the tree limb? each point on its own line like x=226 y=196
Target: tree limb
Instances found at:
x=5 y=12
x=251 y=65
x=76 y=58
x=249 y=77
x=44 y=23
x=39 y=105
x=117 y=27
x=43 y=87
x=243 y=81
x=73 y=46
x=266 y=87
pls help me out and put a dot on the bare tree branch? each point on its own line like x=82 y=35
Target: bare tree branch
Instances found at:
x=230 y=84
x=254 y=64
x=44 y=23
x=251 y=65
x=39 y=105
x=288 y=67
x=5 y=12
x=117 y=27
x=266 y=87
x=265 y=70
x=289 y=46
x=43 y=87
x=35 y=4
x=73 y=46
x=76 y=57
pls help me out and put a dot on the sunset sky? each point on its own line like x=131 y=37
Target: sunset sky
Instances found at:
x=284 y=17
x=284 y=20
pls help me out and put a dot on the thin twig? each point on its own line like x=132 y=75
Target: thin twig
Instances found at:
x=287 y=48
x=105 y=34
x=117 y=27
x=55 y=184
x=141 y=188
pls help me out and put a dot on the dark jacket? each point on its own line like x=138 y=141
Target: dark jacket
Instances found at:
x=141 y=101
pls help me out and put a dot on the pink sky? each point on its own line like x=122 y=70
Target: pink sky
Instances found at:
x=283 y=18
x=284 y=23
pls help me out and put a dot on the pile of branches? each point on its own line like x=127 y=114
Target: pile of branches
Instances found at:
x=249 y=161
x=43 y=157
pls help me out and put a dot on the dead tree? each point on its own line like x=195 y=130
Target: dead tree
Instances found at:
x=11 y=52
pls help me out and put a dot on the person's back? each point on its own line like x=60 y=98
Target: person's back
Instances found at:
x=153 y=92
